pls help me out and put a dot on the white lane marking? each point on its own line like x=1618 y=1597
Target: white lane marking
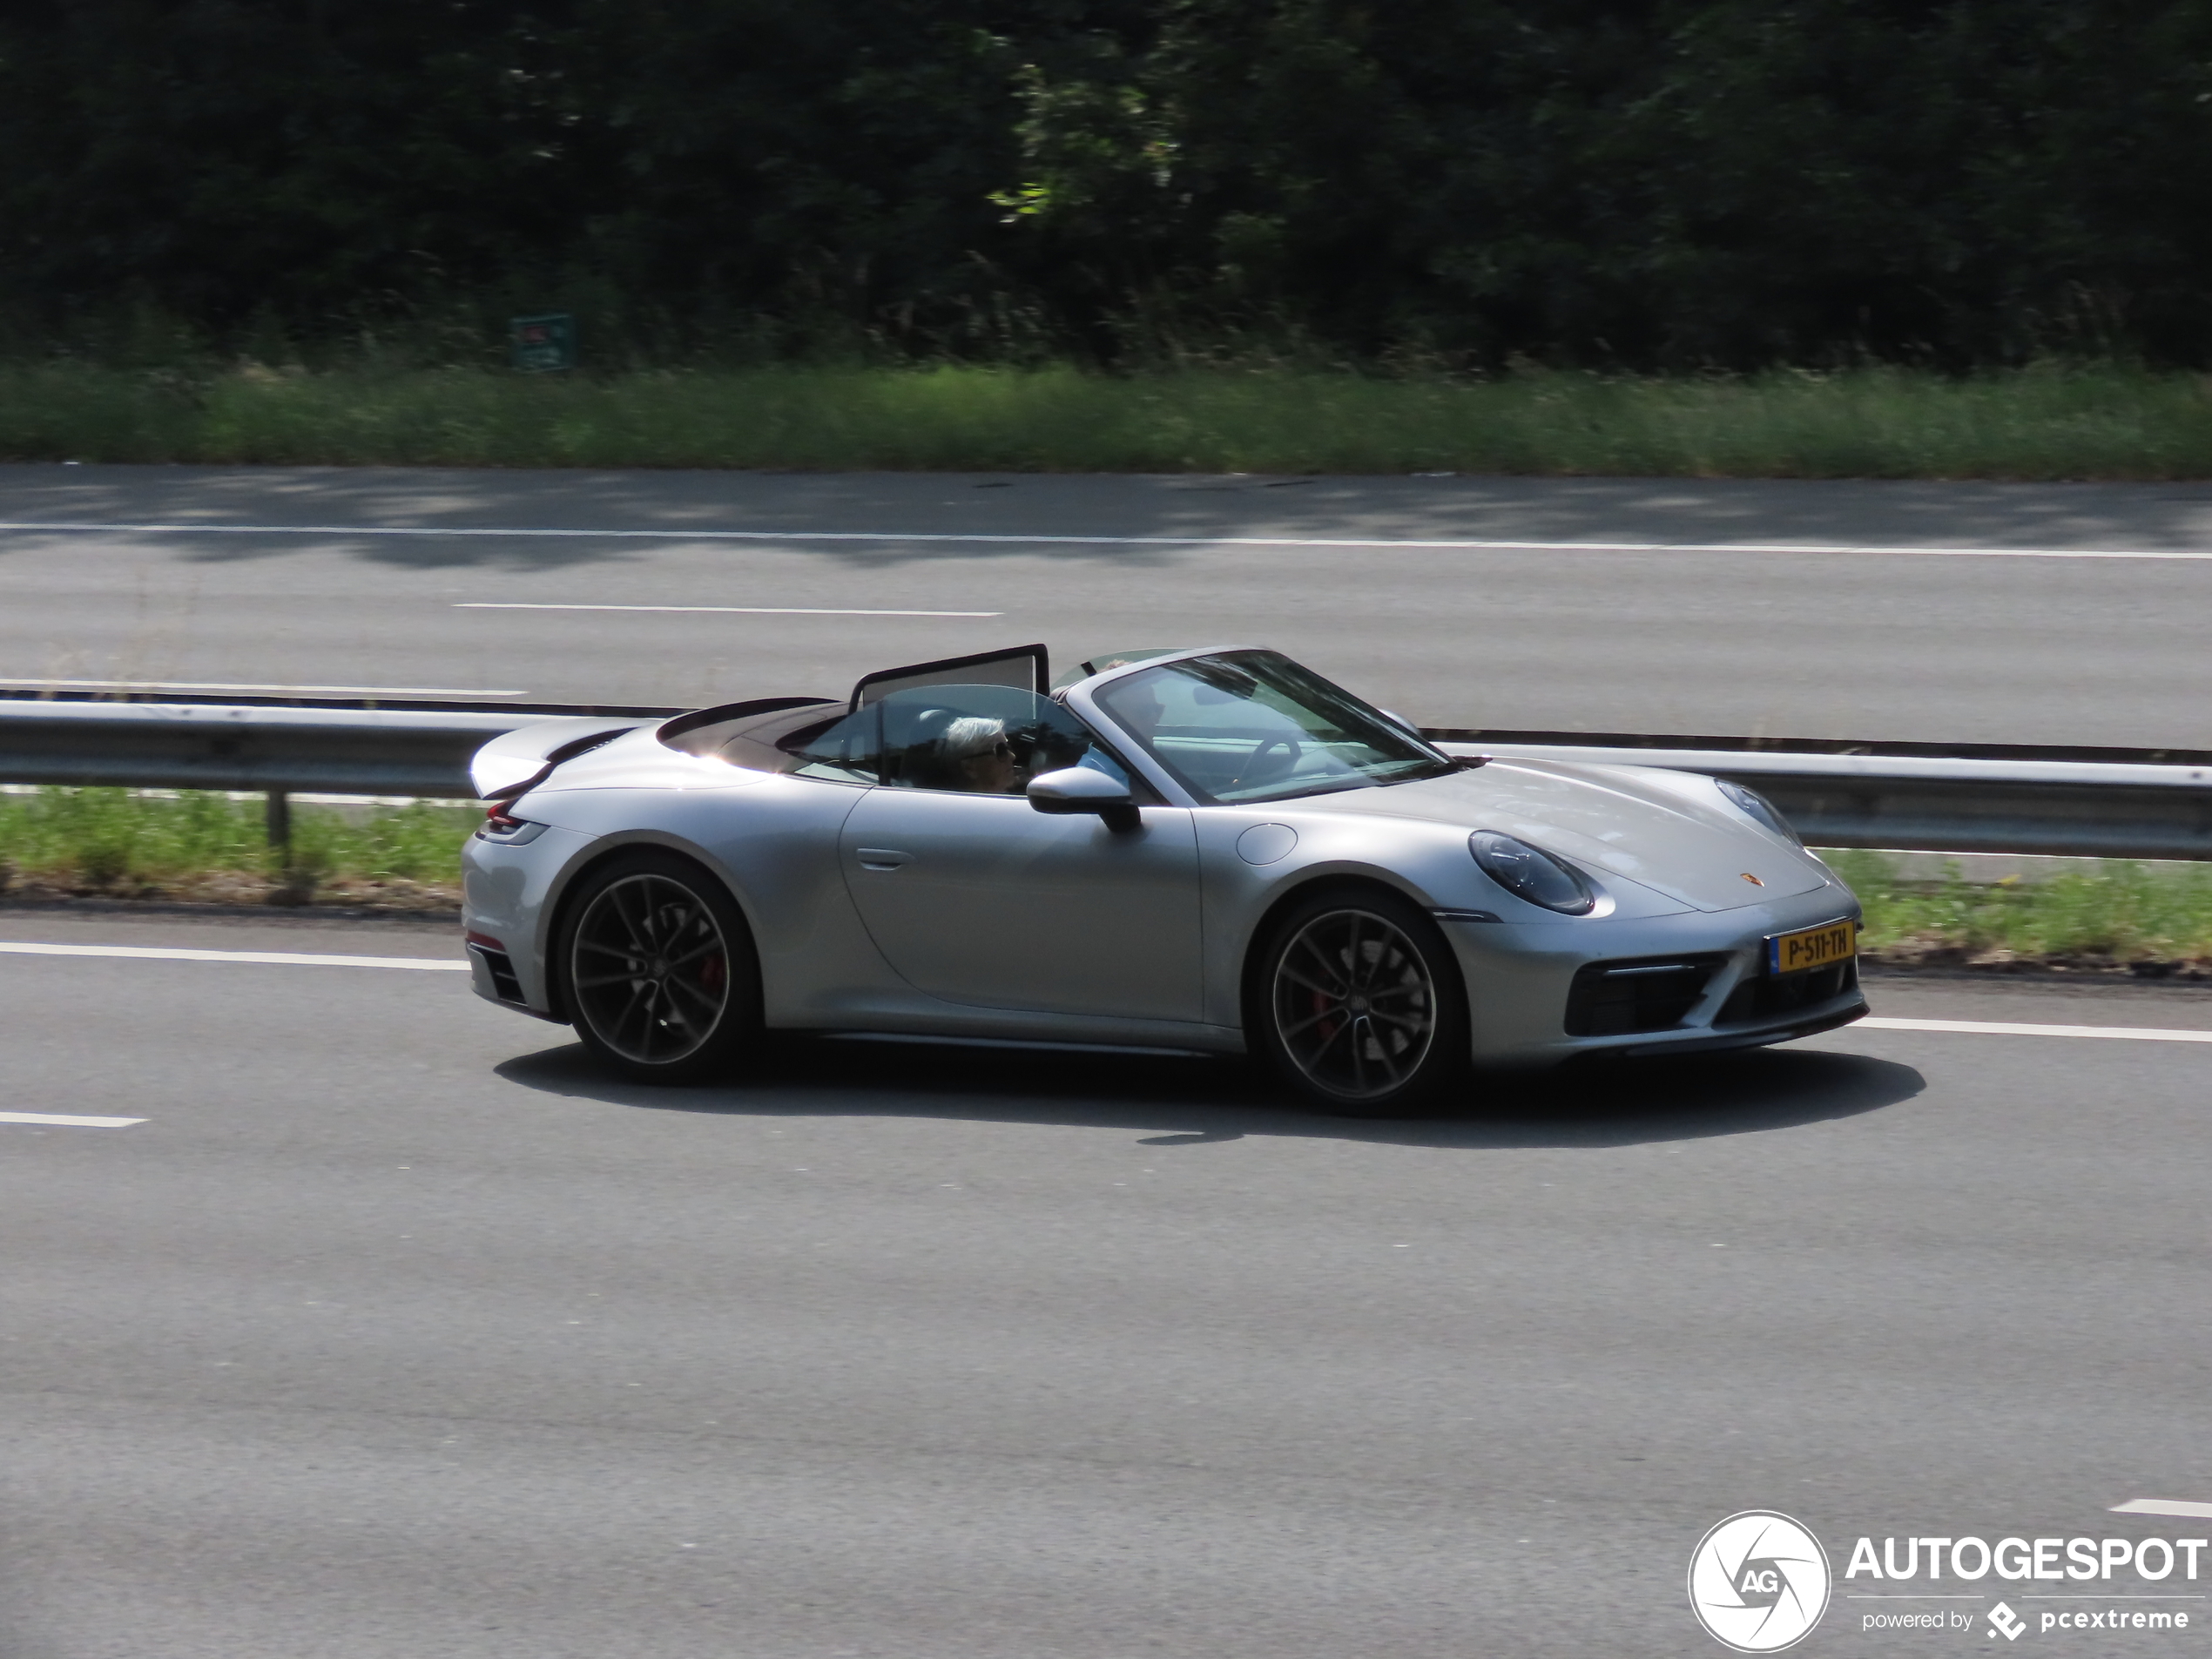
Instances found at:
x=230 y=686
x=68 y=1122
x=1472 y=544
x=739 y=611
x=303 y=959
x=2002 y=1029
x=2164 y=1506
x=281 y=958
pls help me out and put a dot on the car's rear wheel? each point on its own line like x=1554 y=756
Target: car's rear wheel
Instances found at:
x=661 y=976
x=1358 y=1004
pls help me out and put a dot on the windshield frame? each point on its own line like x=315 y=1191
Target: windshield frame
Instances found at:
x=1424 y=760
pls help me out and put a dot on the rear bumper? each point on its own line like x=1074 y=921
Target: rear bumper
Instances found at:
x=491 y=973
x=504 y=894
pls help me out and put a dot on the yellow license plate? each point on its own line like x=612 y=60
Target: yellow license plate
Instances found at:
x=1821 y=947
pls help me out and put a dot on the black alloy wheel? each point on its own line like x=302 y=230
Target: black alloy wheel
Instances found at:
x=1359 y=1004
x=659 y=970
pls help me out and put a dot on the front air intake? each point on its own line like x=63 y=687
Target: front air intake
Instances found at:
x=1770 y=997
x=1640 y=994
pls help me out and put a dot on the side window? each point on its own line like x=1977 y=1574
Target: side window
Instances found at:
x=847 y=750
x=979 y=739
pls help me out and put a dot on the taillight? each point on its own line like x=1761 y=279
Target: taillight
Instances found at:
x=503 y=826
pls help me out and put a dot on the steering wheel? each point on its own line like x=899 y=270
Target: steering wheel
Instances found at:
x=1253 y=772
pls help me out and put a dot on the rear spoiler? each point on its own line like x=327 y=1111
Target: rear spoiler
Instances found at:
x=517 y=761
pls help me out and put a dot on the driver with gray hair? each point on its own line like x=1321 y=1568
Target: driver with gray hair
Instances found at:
x=972 y=755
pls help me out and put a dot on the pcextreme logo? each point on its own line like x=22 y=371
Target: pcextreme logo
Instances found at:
x=1758 y=1582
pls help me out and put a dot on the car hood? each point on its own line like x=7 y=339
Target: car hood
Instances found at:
x=1631 y=820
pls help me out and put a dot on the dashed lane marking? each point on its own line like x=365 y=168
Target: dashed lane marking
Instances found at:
x=2182 y=1507
x=2003 y=1028
x=733 y=610
x=236 y=685
x=276 y=958
x=66 y=1121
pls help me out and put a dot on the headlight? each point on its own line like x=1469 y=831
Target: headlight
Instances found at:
x=1757 y=808
x=1532 y=873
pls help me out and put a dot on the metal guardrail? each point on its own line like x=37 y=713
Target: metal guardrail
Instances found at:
x=167 y=745
x=2085 y=808
x=2017 y=804
x=277 y=752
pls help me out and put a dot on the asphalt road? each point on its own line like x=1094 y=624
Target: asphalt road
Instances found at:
x=395 y=1331
x=1669 y=606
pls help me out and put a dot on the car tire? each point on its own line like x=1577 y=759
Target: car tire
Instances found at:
x=1356 y=1001
x=659 y=971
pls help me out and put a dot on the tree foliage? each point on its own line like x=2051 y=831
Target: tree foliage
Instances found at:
x=1673 y=182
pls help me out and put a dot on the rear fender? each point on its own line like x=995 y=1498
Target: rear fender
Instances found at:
x=517 y=761
x=560 y=895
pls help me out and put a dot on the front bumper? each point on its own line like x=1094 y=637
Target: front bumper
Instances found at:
x=1532 y=1003
x=1838 y=1011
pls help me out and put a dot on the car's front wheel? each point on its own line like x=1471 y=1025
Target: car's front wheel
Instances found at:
x=1357 y=1002
x=661 y=976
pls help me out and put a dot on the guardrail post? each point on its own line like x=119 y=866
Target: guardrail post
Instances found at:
x=279 y=819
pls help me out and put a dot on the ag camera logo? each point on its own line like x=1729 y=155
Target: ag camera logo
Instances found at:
x=1758 y=1582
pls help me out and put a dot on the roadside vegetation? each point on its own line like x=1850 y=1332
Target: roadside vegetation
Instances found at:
x=1279 y=236
x=1650 y=187
x=2117 y=916
x=2075 y=421
x=2152 y=919
x=198 y=847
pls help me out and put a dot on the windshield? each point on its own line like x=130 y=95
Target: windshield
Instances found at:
x=1254 y=725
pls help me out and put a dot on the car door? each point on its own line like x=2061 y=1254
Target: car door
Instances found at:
x=975 y=897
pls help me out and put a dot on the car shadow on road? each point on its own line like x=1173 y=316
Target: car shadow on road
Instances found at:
x=1194 y=1101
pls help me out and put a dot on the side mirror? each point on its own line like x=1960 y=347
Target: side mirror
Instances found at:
x=1074 y=791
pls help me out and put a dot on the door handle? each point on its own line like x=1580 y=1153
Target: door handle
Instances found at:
x=882 y=857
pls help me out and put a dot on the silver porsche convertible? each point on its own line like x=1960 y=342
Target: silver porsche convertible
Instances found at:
x=1212 y=849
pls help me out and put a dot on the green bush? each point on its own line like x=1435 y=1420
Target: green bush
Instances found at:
x=1583 y=182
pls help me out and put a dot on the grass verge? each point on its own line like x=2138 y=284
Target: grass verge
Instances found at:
x=2053 y=422
x=2112 y=917
x=2150 y=919
x=113 y=843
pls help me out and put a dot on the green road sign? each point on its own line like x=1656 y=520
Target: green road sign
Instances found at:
x=540 y=343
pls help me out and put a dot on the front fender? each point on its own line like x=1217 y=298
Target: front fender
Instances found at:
x=1426 y=861
x=1239 y=895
